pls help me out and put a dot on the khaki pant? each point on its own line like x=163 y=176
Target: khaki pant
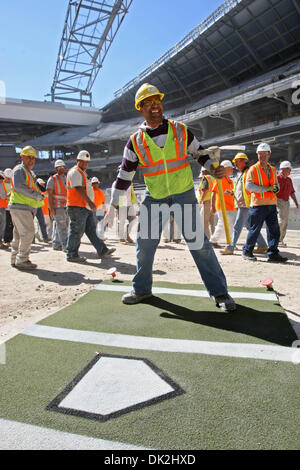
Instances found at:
x=283 y=208
x=23 y=235
x=208 y=218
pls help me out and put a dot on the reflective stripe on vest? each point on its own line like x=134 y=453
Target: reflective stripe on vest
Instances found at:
x=211 y=180
x=60 y=192
x=163 y=162
x=246 y=193
x=261 y=179
x=73 y=198
x=17 y=198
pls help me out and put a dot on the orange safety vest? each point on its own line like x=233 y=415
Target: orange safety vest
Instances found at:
x=261 y=179
x=99 y=198
x=4 y=202
x=73 y=198
x=45 y=207
x=60 y=192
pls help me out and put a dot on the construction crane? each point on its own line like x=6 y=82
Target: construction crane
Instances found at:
x=89 y=30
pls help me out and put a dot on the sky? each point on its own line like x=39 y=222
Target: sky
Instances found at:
x=31 y=30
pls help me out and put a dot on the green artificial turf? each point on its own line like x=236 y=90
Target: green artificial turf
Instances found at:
x=229 y=403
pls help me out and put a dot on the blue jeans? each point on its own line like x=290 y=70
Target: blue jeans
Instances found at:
x=82 y=221
x=61 y=228
x=41 y=220
x=242 y=221
x=257 y=216
x=151 y=223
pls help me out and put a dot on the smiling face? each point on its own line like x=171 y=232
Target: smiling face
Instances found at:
x=28 y=161
x=263 y=157
x=240 y=163
x=152 y=110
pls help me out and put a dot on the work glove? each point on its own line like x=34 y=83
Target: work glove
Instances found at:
x=213 y=153
x=273 y=189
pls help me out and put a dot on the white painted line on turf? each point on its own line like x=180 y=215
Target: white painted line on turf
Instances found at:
x=241 y=350
x=191 y=293
x=22 y=436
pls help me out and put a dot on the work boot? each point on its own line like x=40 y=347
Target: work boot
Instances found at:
x=133 y=298
x=129 y=239
x=260 y=249
x=215 y=245
x=26 y=265
x=227 y=251
x=249 y=256
x=277 y=259
x=77 y=259
x=123 y=241
x=225 y=302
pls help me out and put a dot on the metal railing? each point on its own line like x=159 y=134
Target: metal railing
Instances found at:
x=208 y=22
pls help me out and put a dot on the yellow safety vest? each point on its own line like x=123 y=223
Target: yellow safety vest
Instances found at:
x=166 y=170
x=17 y=198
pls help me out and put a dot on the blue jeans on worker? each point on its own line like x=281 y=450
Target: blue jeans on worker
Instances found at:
x=41 y=221
x=82 y=221
x=257 y=216
x=186 y=212
x=60 y=236
x=241 y=221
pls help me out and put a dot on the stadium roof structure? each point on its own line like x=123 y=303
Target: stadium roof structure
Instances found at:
x=239 y=41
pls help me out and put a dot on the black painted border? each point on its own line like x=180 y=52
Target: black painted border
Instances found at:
x=54 y=405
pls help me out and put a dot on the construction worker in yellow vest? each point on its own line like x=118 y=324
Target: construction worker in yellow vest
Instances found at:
x=24 y=200
x=206 y=184
x=242 y=202
x=262 y=182
x=160 y=149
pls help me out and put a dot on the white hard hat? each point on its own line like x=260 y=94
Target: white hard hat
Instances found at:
x=226 y=164
x=95 y=180
x=285 y=164
x=59 y=163
x=8 y=173
x=84 y=155
x=41 y=181
x=263 y=147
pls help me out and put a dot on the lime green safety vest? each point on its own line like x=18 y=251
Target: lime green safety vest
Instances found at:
x=211 y=181
x=166 y=170
x=246 y=193
x=17 y=198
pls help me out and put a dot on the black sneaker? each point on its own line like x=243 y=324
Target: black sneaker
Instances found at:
x=225 y=302
x=277 y=259
x=249 y=256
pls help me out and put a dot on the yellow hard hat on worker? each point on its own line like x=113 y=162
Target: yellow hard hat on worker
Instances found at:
x=240 y=155
x=145 y=91
x=28 y=152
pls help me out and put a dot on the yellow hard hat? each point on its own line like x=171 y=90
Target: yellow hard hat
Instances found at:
x=145 y=91
x=239 y=156
x=29 y=152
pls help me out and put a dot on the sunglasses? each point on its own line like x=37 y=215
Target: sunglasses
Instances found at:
x=151 y=101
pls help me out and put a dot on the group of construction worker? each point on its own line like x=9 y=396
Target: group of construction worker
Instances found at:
x=161 y=148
